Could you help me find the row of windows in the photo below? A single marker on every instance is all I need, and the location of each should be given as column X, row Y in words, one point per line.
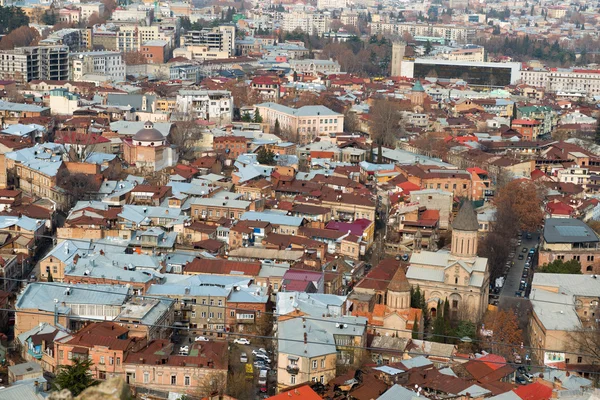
column 186, row 379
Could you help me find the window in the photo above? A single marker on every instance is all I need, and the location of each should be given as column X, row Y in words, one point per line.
column 567, row 360
column 61, row 354
column 186, row 380
column 313, row 379
column 323, row 363
column 118, row 360
column 220, row 315
column 70, row 355
column 579, row 360
column 193, row 314
column 111, row 360
column 211, row 314
column 173, row 379
column 322, row 379
column 101, row 360
column 293, row 379
column 454, row 303
column 232, row 313
column 590, row 258
column 314, row 364
column 220, row 302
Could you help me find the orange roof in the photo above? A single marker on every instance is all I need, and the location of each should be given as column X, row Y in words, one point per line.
column 301, row 393
column 433, row 215
column 534, row 391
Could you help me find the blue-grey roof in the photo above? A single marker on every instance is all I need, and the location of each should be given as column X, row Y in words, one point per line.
column 23, row 222
column 20, row 107
column 273, row 217
column 320, row 333
column 568, row 230
column 19, row 392
column 99, row 158
column 143, row 214
column 306, row 111
column 41, row 296
column 99, row 266
column 217, row 202
column 398, row 392
column 130, row 128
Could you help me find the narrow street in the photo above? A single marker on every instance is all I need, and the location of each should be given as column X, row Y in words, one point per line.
column 515, row 273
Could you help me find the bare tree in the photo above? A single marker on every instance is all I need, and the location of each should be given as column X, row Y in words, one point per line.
column 213, row 384
column 135, row 58
column 185, row 136
column 20, row 37
column 351, row 122
column 77, row 186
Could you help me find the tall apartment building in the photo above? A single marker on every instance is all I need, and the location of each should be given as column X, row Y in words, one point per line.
column 220, row 38
column 25, row 64
column 398, row 50
column 211, row 105
column 311, row 23
column 576, row 81
column 449, row 32
column 131, row 37
column 108, row 63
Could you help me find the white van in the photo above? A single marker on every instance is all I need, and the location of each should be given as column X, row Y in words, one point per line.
column 262, row 377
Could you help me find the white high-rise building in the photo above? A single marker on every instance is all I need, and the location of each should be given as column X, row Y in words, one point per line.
column 311, row 23
column 212, row 105
column 109, row 63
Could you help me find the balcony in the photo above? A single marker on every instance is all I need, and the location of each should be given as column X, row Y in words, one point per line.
column 292, row 369
column 186, row 306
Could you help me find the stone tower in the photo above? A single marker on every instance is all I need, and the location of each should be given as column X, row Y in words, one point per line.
column 417, row 94
column 398, row 49
column 464, row 232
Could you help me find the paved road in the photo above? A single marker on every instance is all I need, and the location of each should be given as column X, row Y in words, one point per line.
column 513, row 279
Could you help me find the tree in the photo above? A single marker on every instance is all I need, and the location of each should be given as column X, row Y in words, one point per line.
column 185, row 136
column 12, row 18
column 428, row 47
column 351, row 122
column 506, row 337
column 213, row 384
column 521, row 199
column 385, row 117
column 415, row 329
column 134, row 58
column 76, row 377
column 295, row 76
column 277, row 128
column 50, row 278
column 77, row 186
column 246, row 117
column 266, row 157
column 238, row 386
column 257, row 117
column 20, row 37
column 562, row 267
column 439, row 324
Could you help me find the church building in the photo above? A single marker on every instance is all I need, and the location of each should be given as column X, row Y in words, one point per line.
column 459, row 276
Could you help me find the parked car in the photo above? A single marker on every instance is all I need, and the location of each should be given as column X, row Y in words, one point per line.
column 521, row 380
column 528, row 236
column 261, row 356
column 532, row 250
column 259, row 351
column 261, row 365
column 201, row 339
column 520, row 256
column 241, row 341
column 525, row 249
column 243, row 358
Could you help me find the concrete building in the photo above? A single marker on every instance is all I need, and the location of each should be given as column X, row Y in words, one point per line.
column 449, row 32
column 459, row 276
column 89, row 9
column 306, row 122
column 570, row 239
column 220, row 38
column 73, row 38
column 565, row 81
column 315, row 66
column 211, row 105
column 311, row 23
column 563, row 306
column 331, row 4
column 25, row 64
column 108, row 63
column 398, row 50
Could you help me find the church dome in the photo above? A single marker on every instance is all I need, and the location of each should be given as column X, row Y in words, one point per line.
column 466, row 219
column 148, row 134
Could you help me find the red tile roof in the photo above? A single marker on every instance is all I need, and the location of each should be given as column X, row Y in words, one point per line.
column 300, row 393
column 534, row 391
column 221, row 267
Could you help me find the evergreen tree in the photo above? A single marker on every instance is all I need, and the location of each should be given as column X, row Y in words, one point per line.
column 295, row 76
column 277, row 128
column 246, row 117
column 425, row 312
column 438, row 324
column 415, row 329
column 379, row 154
column 266, row 157
column 257, row 117
column 428, row 47
column 50, row 278
column 76, row 378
